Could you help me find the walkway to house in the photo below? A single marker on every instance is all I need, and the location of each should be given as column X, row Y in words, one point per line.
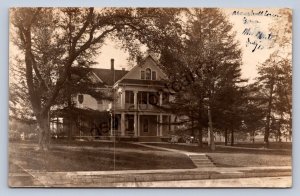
column 200, row 160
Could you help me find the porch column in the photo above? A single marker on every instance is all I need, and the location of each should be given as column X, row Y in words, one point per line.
column 122, row 99
column 160, row 98
column 160, row 126
column 138, row 125
column 122, row 124
column 111, row 125
column 172, row 119
column 135, row 99
column 135, row 124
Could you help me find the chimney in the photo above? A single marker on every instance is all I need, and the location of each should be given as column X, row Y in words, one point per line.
column 112, row 64
column 138, row 59
column 123, row 69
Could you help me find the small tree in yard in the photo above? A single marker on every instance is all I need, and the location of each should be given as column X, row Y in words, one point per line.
column 53, row 41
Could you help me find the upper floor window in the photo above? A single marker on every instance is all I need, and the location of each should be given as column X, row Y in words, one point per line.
column 143, row 75
column 153, row 75
column 165, row 98
column 148, row 74
column 142, row 97
column 129, row 97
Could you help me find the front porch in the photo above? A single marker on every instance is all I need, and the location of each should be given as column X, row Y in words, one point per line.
column 144, row 126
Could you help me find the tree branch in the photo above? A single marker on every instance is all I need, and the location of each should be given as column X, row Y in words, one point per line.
column 84, row 27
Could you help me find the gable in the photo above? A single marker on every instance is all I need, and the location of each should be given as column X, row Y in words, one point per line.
column 108, row 76
column 79, row 74
column 148, row 63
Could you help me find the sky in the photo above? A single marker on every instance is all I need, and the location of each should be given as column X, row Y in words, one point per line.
column 241, row 21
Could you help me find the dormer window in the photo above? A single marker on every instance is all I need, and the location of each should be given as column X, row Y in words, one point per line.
column 153, row 75
column 143, row 75
column 148, row 74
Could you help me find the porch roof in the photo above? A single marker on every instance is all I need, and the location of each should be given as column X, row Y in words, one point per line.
column 71, row 112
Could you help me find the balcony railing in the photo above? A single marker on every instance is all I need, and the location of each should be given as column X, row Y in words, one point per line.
column 130, row 106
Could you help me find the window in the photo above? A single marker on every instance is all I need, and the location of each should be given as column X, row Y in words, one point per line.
column 144, row 98
column 153, row 98
column 165, row 98
column 80, row 98
column 145, row 125
column 129, row 97
column 153, row 75
column 143, row 75
column 129, row 123
column 148, row 74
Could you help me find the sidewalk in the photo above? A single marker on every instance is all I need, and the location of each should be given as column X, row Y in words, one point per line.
column 141, row 177
column 266, row 182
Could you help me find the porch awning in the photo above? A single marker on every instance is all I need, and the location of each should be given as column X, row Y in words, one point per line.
column 73, row 112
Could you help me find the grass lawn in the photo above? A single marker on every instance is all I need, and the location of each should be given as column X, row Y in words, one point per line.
column 272, row 145
column 223, row 149
column 229, row 157
column 100, row 156
column 249, row 159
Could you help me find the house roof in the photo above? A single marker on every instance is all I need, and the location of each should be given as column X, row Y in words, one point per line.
column 112, row 76
column 108, row 76
column 124, row 80
column 142, row 82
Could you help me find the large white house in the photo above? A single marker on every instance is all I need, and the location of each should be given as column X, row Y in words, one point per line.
column 136, row 112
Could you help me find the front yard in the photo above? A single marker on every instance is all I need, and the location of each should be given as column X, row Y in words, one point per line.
column 249, row 159
column 94, row 156
column 108, row 156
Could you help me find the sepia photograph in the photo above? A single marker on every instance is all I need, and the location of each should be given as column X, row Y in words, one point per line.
column 143, row 97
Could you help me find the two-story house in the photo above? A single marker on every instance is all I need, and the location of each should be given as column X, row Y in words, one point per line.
column 136, row 112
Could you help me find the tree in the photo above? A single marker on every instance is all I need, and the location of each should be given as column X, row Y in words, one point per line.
column 53, row 41
column 254, row 112
column 275, row 77
column 203, row 66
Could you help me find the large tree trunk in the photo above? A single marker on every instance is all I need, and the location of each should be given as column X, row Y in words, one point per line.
column 44, row 131
column 268, row 120
column 200, row 137
column 232, row 137
column 193, row 133
column 226, row 137
column 279, row 134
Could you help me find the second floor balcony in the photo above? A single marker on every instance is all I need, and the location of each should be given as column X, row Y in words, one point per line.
column 141, row 100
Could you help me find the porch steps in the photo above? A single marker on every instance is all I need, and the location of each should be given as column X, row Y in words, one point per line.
column 202, row 160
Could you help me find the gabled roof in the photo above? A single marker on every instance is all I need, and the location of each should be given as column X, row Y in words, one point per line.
column 142, row 82
column 108, row 76
column 124, row 80
column 85, row 74
column 104, row 76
